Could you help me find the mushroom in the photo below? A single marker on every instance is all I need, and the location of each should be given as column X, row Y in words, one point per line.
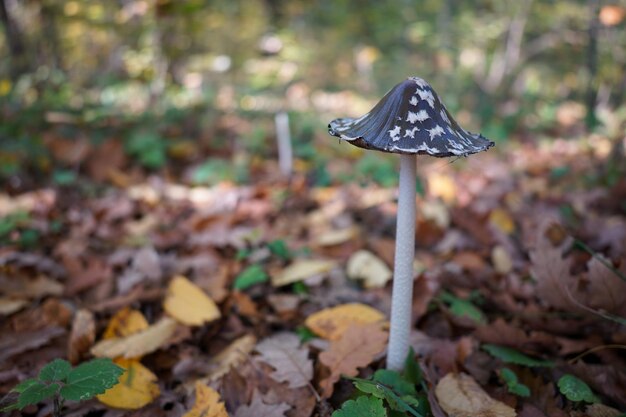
column 410, row 120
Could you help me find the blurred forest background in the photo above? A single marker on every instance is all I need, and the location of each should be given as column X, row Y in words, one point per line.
column 200, row 81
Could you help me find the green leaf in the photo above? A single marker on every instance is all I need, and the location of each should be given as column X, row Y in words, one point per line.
column 57, row 370
column 304, row 333
column 252, row 275
column 513, row 384
column 22, row 386
column 510, row 355
column 36, row 393
column 361, row 407
column 576, row 389
column 463, row 308
column 279, row 248
column 412, row 372
column 395, row 381
column 382, row 391
column 91, row 378
column 64, row 177
column 300, row 288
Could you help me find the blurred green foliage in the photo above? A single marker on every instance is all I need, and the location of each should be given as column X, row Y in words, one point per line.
column 154, row 73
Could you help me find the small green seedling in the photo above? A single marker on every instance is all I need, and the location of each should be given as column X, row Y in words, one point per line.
column 389, row 393
column 513, row 384
column 59, row 381
column 463, row 308
column 510, row 355
column 252, row 275
column 576, row 390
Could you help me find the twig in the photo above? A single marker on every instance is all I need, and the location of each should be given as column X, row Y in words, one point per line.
column 595, row 349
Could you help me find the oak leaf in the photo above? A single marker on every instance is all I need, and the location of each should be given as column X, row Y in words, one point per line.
column 356, row 348
column 207, row 403
column 258, row 408
column 137, row 344
column 137, row 387
column 459, row 395
column 331, row 323
column 188, row 304
column 290, row 361
column 606, row 289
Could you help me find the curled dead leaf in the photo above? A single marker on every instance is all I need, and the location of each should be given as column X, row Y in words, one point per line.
column 137, row 387
column 459, row 395
column 301, row 270
column 188, row 304
column 207, row 403
column 366, row 266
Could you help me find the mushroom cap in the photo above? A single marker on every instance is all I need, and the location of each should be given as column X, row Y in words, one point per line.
column 410, row 119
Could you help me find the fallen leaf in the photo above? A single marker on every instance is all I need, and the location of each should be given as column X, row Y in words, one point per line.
column 124, row 323
column 335, row 237
column 502, row 220
column 552, row 273
column 137, row 344
column 188, row 304
column 331, row 323
column 230, row 357
column 366, row 266
column 9, row 306
column 257, row 408
column 137, row 387
column 82, row 336
column 356, row 348
column 605, row 290
column 443, row 186
column 15, row 343
column 290, row 361
column 460, row 396
column 38, row 287
column 207, row 403
column 301, row 270
column 501, row 260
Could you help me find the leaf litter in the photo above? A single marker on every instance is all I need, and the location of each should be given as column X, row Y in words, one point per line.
column 146, row 273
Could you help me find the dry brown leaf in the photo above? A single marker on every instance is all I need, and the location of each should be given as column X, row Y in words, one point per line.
column 331, row 323
column 9, row 305
column 356, row 348
column 605, row 290
column 188, row 304
column 231, row 356
column 501, row 260
column 207, row 403
column 137, row 344
column 301, row 270
column 552, row 273
column 460, row 396
column 337, row 236
column 38, row 287
column 82, row 336
column 258, row 408
column 502, row 220
column 290, row 361
column 364, row 265
column 137, row 387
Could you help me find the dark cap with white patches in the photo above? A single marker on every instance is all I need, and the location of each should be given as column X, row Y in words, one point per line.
column 410, row 119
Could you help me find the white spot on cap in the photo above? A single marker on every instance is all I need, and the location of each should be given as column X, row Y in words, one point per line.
column 427, row 95
column 395, row 133
column 420, row 116
column 420, row 82
column 413, row 101
column 435, row 131
column 411, row 132
column 444, row 115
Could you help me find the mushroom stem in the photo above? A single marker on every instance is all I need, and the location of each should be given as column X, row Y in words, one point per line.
column 402, row 293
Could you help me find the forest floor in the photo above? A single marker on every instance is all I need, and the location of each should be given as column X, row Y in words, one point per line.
column 520, row 282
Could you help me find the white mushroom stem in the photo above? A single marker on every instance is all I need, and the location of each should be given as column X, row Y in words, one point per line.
column 402, row 294
column 283, row 138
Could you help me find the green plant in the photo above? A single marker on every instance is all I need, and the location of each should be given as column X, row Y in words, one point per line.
column 252, row 275
column 389, row 393
column 463, row 308
column 576, row 390
column 59, row 381
column 510, row 355
column 513, row 384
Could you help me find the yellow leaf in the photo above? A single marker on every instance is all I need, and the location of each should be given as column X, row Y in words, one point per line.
column 460, row 396
column 337, row 236
column 207, row 403
column 136, row 344
column 502, row 220
column 137, row 387
column 188, row 304
column 302, row 269
column 368, row 267
column 124, row 323
column 331, row 323
column 443, row 186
